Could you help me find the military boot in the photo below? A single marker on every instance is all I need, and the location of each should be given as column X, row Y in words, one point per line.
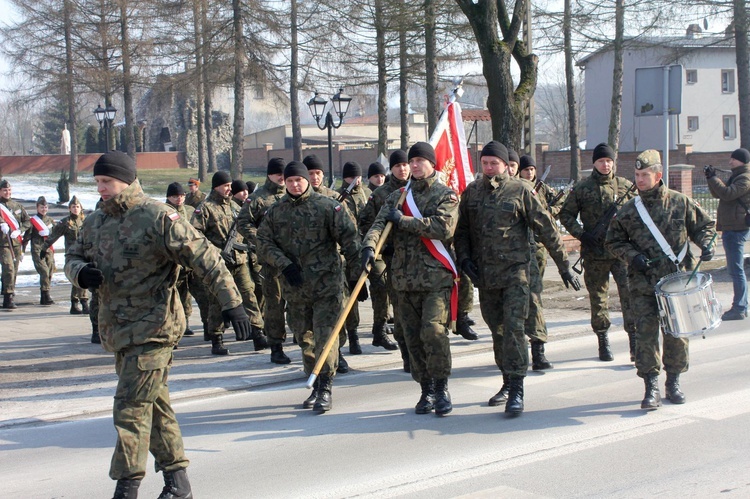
column 75, row 308
column 126, row 489
column 260, row 342
column 95, row 338
column 631, row 343
column 539, row 361
column 85, row 306
column 176, row 485
column 443, row 404
column 206, row 334
column 605, row 353
column 45, row 298
column 380, row 337
column 426, row 402
column 217, row 345
column 343, row 366
column 514, row 405
column 354, row 346
column 277, row 354
column 8, row 301
column 188, row 331
column 502, row 395
column 324, row 402
column 672, row 390
column 310, row 401
column 404, row 356
column 464, row 329
column 652, row 398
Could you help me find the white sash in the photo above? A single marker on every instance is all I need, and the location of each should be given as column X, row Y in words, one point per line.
column 665, row 247
column 40, row 226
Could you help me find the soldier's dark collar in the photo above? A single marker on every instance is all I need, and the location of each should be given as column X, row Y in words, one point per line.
column 274, row 187
column 656, row 192
column 121, row 203
column 601, row 178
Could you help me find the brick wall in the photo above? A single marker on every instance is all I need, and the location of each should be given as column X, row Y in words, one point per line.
column 55, row 163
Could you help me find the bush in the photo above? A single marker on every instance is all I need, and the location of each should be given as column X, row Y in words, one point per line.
column 63, row 188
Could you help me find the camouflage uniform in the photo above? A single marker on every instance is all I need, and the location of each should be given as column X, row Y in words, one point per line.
column 194, row 199
column 355, row 202
column 139, row 244
column 496, row 217
column 249, row 219
column 679, row 219
column 214, row 218
column 45, row 266
column 9, row 264
column 182, row 280
column 68, row 228
column 305, row 231
column 591, row 198
column 422, row 284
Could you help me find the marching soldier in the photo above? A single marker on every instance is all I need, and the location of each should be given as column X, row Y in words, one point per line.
column 131, row 250
column 15, row 221
column 215, row 218
column 631, row 238
column 379, row 275
column 315, row 169
column 426, row 286
column 239, row 192
column 176, row 199
column 195, row 197
column 513, row 163
column 44, row 260
column 68, row 228
column 375, row 175
column 496, row 215
column 298, row 238
column 590, row 200
column 248, row 221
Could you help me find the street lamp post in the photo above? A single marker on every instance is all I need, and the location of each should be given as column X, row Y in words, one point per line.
column 340, row 105
column 105, row 117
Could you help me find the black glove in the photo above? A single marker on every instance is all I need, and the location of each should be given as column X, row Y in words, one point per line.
column 43, row 253
column 388, row 250
column 363, row 295
column 709, row 171
column 394, row 215
column 640, row 263
column 90, row 277
column 588, row 240
column 470, row 270
column 228, row 259
column 368, row 258
column 239, row 320
column 570, row 280
column 707, row 254
column 293, row 275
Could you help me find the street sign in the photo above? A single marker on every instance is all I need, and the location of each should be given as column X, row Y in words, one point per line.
column 649, row 90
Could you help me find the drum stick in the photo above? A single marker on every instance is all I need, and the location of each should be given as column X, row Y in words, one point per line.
column 700, row 261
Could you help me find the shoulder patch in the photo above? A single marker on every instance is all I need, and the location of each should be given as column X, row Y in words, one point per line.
column 337, row 208
column 174, row 216
column 453, row 197
column 197, row 210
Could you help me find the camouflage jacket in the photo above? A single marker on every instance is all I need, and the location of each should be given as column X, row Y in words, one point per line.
column 546, row 195
column 326, row 191
column 305, row 231
column 67, row 228
column 675, row 215
column 139, row 245
column 255, row 207
column 496, row 218
column 413, row 268
column 38, row 241
column 591, row 198
column 356, row 200
column 195, row 198
column 24, row 222
column 731, row 214
column 376, row 201
column 214, row 218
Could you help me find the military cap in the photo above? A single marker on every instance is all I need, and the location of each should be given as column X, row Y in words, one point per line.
column 351, row 169
column 603, row 151
column 275, row 166
column 116, row 164
column 297, row 169
column 194, row 181
column 397, row 157
column 742, row 155
column 220, row 178
column 423, row 150
column 41, row 201
column 526, row 161
column 312, row 162
column 648, row 158
column 513, row 155
column 74, row 201
column 496, row 149
column 238, row 186
column 175, row 189
column 4, row 184
column 375, row 169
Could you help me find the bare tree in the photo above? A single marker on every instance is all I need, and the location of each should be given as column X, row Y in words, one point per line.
column 575, row 153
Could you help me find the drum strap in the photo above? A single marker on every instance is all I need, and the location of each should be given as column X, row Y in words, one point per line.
column 665, row 247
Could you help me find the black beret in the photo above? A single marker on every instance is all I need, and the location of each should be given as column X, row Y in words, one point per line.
column 297, row 169
column 275, row 166
column 375, row 169
column 526, row 161
column 238, row 186
column 117, row 165
column 397, row 157
column 312, row 162
column 423, row 150
column 742, row 155
column 513, row 155
column 603, row 151
column 175, row 189
column 496, row 149
column 351, row 169
column 220, row 178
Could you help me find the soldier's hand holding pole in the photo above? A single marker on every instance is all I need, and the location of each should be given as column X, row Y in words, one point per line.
column 368, row 259
column 239, row 320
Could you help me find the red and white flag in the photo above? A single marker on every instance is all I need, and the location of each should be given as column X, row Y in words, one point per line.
column 449, row 141
column 9, row 219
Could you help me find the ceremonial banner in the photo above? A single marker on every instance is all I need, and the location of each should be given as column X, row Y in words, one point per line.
column 449, row 141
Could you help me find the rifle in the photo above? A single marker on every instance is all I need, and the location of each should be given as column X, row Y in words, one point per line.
column 540, row 181
column 232, row 244
column 557, row 197
column 600, row 229
column 348, row 190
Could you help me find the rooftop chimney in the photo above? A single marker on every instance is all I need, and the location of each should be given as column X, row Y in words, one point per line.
column 693, row 31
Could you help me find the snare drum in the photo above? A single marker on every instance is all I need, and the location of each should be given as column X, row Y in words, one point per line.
column 687, row 309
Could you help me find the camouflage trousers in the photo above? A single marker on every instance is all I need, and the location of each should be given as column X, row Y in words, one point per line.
column 398, row 330
column 10, row 267
column 535, row 326
column 77, row 294
column 185, row 298
column 94, row 309
column 504, row 310
column 312, row 323
column 273, row 311
column 45, row 267
column 424, row 316
column 647, row 361
column 378, row 292
column 352, row 320
column 256, row 272
column 241, row 274
column 465, row 295
column 596, row 277
column 143, row 415
column 202, row 298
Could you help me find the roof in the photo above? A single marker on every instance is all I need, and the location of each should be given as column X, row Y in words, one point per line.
column 476, row 115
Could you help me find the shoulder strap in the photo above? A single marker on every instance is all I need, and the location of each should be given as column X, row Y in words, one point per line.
column 665, row 247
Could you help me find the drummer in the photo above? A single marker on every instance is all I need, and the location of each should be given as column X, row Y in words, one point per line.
column 631, row 240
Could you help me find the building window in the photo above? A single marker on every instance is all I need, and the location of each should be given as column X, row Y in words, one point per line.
column 258, row 89
column 692, row 123
column 691, row 76
column 729, row 126
column 727, row 81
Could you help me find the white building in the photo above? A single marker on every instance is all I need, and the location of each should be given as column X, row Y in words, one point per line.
column 710, row 110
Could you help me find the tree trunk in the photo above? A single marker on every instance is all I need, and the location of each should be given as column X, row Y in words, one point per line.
column 127, row 90
column 743, row 69
column 198, row 42
column 403, row 77
column 430, row 62
column 294, row 88
column 238, row 132
column 575, row 153
column 615, row 118
column 70, row 94
column 382, row 80
column 207, row 90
